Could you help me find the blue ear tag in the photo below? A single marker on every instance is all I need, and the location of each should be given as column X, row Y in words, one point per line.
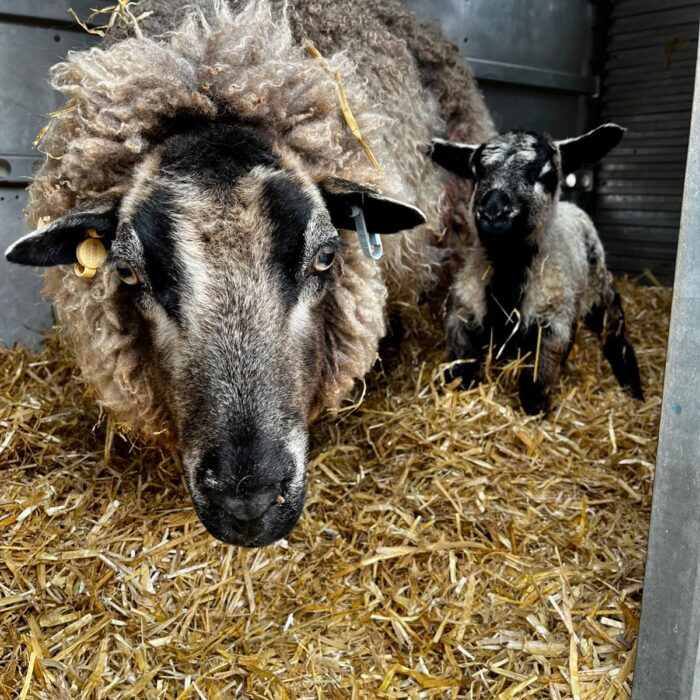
column 370, row 243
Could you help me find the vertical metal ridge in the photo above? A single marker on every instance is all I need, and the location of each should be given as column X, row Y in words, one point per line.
column 668, row 656
column 647, row 87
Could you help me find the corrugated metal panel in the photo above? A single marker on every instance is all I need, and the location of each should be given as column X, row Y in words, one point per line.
column 647, row 87
column 625, row 8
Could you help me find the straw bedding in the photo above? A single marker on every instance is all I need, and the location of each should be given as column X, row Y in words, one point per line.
column 450, row 547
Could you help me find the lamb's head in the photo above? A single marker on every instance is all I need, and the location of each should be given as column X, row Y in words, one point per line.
column 517, row 175
column 228, row 255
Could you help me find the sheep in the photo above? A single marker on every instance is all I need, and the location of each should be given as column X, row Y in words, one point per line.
column 204, row 148
column 537, row 266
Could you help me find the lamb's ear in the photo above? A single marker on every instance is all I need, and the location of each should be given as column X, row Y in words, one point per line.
column 453, row 156
column 589, row 148
column 55, row 243
column 382, row 214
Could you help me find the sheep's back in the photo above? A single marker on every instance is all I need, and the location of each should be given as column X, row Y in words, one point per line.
column 417, row 85
column 568, row 275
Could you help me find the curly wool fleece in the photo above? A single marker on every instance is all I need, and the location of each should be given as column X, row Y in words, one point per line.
column 403, row 81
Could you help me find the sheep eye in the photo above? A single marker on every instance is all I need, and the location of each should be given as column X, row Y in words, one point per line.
column 127, row 274
column 324, row 259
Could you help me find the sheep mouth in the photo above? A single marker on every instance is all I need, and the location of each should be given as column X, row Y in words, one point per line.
column 273, row 525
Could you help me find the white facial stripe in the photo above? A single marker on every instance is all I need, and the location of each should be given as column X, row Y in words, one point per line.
column 297, row 445
column 166, row 334
column 493, row 154
column 527, row 155
column 196, row 290
column 191, row 254
column 300, row 318
column 545, row 168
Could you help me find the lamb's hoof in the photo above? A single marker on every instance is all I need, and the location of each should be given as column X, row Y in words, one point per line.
column 533, row 398
column 463, row 372
column 636, row 392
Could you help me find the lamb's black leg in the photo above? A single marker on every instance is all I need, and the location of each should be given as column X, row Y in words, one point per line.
column 534, row 394
column 608, row 322
column 620, row 354
column 464, row 342
column 536, row 387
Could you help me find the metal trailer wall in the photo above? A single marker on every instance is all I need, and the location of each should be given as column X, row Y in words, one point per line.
column 34, row 34
column 647, row 87
column 536, row 61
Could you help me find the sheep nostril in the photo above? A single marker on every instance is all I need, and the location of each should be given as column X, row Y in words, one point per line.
column 253, row 505
column 492, row 216
column 495, row 207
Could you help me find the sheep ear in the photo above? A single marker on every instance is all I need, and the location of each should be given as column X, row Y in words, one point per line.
column 453, row 156
column 382, row 214
column 589, row 148
column 55, row 243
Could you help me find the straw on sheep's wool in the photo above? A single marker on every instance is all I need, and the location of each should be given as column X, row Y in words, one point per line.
column 450, row 547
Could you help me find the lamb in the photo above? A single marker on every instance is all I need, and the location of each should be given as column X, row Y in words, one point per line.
column 537, row 266
column 203, row 148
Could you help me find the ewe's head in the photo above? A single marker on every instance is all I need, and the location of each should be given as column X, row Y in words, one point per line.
column 229, row 256
column 517, row 174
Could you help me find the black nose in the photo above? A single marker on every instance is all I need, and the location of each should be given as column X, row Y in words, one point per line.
column 494, row 207
column 251, row 505
column 243, row 479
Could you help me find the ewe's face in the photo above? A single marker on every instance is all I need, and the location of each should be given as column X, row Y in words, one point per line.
column 229, row 262
column 516, row 183
column 228, row 256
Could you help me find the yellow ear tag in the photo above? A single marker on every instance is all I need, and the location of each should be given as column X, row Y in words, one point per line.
column 91, row 253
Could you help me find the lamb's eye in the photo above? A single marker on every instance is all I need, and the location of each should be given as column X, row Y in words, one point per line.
column 127, row 274
column 324, row 259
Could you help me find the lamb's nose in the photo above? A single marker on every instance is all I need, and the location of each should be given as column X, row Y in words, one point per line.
column 495, row 206
column 252, row 505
